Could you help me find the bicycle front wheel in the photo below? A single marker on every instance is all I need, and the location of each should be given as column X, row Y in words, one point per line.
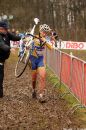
column 21, row 65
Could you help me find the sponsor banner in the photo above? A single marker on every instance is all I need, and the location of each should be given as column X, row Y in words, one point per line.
column 71, row 45
column 60, row 45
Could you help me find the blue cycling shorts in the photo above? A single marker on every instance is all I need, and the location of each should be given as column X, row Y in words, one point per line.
column 36, row 62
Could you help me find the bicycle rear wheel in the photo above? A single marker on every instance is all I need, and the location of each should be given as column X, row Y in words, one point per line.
column 21, row 65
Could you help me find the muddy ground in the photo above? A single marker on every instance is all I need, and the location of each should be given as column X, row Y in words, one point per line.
column 18, row 111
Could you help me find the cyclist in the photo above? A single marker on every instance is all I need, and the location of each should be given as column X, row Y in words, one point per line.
column 37, row 59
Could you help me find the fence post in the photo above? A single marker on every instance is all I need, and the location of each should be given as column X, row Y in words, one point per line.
column 71, row 54
column 60, row 67
column 83, row 78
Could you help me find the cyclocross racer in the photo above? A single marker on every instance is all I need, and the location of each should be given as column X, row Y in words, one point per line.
column 37, row 59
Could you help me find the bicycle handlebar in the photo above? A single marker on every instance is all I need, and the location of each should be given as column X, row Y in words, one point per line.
column 43, row 42
column 34, row 36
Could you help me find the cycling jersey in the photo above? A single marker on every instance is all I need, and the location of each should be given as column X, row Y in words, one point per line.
column 38, row 47
column 37, row 51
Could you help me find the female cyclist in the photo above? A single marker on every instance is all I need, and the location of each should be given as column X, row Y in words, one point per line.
column 37, row 59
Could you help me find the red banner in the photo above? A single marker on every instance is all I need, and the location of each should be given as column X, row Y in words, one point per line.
column 84, row 87
column 65, row 69
column 71, row 71
column 77, row 78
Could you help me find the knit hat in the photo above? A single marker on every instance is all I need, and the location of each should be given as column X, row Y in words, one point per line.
column 4, row 24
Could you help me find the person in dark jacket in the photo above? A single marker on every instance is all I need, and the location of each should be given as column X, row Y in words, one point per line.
column 5, row 37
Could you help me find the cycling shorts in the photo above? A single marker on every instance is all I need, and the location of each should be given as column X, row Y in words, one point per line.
column 36, row 62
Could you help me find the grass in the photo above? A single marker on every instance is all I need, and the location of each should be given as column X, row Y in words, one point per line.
column 79, row 114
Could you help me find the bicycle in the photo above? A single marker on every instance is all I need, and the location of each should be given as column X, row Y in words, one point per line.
column 23, row 59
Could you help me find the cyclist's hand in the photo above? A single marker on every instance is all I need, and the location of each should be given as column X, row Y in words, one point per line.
column 43, row 39
column 27, row 47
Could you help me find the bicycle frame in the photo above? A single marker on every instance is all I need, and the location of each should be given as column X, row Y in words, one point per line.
column 24, row 58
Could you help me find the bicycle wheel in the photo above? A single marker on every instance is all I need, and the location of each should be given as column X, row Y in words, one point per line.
column 21, row 65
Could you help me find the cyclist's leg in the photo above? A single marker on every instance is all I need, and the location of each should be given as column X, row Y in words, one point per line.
column 34, row 71
column 34, row 75
column 42, row 84
column 42, row 77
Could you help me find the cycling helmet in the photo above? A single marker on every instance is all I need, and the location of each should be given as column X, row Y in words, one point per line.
column 44, row 27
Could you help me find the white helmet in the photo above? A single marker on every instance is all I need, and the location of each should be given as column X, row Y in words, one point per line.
column 44, row 27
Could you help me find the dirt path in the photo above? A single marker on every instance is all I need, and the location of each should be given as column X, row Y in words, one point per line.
column 18, row 111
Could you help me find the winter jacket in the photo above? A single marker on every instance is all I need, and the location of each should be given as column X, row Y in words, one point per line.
column 5, row 45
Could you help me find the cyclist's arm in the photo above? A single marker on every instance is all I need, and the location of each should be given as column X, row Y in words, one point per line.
column 3, row 46
column 48, row 44
column 14, row 37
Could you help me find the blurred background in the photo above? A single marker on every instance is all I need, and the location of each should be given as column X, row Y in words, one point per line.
column 67, row 17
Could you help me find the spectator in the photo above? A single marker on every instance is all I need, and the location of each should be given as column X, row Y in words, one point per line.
column 5, row 37
column 55, row 38
column 13, row 31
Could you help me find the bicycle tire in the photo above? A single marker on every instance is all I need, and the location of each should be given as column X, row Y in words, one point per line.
column 21, row 66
